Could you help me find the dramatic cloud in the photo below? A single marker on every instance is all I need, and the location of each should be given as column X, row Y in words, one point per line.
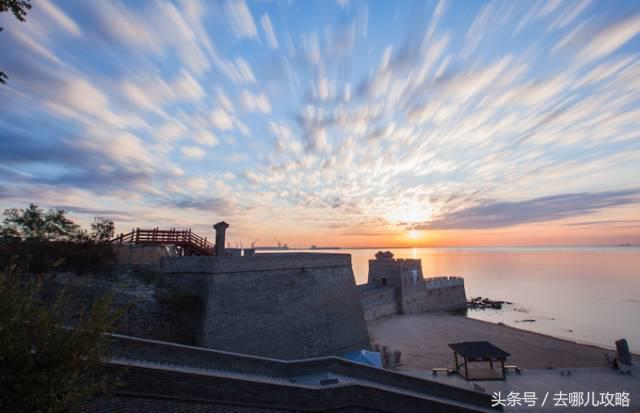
column 310, row 119
column 551, row 208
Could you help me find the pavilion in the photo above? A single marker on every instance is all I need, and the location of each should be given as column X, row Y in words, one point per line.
column 479, row 351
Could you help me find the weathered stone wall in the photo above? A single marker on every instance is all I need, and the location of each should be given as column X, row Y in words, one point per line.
column 158, row 390
column 446, row 298
column 378, row 302
column 133, row 254
column 384, row 272
column 153, row 307
column 257, row 262
column 410, row 291
column 286, row 306
column 414, row 301
column 135, row 353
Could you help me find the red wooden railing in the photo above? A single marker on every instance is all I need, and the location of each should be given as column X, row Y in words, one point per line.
column 190, row 242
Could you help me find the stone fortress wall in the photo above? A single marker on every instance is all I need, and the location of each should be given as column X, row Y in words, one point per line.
column 378, row 302
column 281, row 305
column 397, row 286
column 132, row 254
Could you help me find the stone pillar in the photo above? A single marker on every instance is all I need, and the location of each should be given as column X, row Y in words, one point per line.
column 221, row 228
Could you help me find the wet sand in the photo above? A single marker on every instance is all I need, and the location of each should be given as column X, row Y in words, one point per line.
column 423, row 339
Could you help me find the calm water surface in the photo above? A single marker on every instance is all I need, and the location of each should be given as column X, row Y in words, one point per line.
column 589, row 295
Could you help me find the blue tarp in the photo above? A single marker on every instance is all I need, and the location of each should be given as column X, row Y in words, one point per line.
column 366, row 357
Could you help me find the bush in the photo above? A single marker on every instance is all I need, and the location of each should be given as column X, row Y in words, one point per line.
column 45, row 367
column 43, row 256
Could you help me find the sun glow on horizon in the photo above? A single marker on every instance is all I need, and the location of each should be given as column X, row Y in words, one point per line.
column 411, row 213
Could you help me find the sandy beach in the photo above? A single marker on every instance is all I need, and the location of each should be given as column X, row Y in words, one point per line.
column 423, row 339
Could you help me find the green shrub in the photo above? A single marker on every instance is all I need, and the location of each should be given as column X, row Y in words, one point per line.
column 45, row 367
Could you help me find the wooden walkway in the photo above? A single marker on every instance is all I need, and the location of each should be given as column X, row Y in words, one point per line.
column 190, row 242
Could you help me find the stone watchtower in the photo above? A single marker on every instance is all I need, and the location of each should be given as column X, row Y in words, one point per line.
column 411, row 291
column 404, row 275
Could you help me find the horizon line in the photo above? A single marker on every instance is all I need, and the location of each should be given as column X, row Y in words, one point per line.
column 621, row 245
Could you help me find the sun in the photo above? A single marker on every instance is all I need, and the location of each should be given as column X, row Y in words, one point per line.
column 408, row 214
column 413, row 234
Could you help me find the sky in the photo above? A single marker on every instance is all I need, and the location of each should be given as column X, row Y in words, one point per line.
column 336, row 123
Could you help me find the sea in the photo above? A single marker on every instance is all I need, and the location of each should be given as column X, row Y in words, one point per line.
column 587, row 295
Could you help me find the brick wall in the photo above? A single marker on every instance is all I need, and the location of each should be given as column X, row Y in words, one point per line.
column 155, row 381
column 378, row 302
column 288, row 306
column 397, row 286
column 158, row 390
column 154, row 307
column 446, row 298
column 132, row 254
column 257, row 262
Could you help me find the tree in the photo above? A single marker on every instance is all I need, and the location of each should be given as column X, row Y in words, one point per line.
column 33, row 223
column 102, row 229
column 43, row 366
column 19, row 9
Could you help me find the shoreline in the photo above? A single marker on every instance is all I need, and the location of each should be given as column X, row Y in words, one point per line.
column 422, row 339
column 549, row 336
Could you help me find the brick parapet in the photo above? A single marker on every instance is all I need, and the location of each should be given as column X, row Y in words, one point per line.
column 159, row 390
column 188, row 356
column 257, row 262
column 444, row 282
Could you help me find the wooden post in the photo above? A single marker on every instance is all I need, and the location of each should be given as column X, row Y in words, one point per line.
column 137, row 234
column 455, row 359
column 503, row 375
column 466, row 369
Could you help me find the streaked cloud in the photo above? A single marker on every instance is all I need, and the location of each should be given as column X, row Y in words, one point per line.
column 220, row 119
column 240, row 19
column 552, row 208
column 269, row 34
column 307, row 118
column 255, row 102
column 60, row 17
column 193, row 152
column 611, row 38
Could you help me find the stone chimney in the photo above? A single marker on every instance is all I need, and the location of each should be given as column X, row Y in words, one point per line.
column 221, row 228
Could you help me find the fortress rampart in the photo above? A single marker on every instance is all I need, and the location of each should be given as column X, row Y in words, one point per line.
column 281, row 305
column 397, row 286
column 443, row 282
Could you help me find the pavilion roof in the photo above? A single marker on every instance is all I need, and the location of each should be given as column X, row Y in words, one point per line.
column 478, row 349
